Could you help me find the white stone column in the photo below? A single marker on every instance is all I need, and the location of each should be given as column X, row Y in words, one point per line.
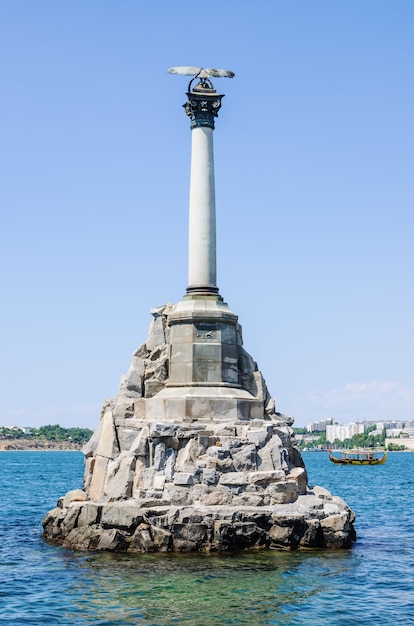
column 202, row 107
column 202, row 273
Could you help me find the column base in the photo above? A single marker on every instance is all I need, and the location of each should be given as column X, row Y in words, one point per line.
column 198, row 293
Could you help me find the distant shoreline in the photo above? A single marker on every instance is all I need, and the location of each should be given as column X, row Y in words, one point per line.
column 29, row 444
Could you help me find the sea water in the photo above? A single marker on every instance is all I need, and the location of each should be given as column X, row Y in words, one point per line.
column 372, row 583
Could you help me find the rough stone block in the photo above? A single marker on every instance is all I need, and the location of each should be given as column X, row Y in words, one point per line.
column 159, row 456
column 311, row 536
column 123, row 407
column 156, row 334
column 223, row 465
column 337, row 532
column 112, row 540
column 264, row 478
column 162, row 539
column 269, row 457
column 148, row 474
column 233, row 478
column 188, row 431
column 281, row 536
column 232, row 443
column 217, row 498
column 189, row 537
column 205, row 441
column 90, row 448
column 210, row 476
column 89, row 514
column 71, row 518
column 334, row 523
column 153, row 386
column 53, row 517
column 258, row 437
column 248, row 499
column 186, row 455
column 98, row 478
column 299, row 475
column 162, row 429
column 321, row 493
column 126, row 437
column 218, row 452
column 226, row 430
column 183, row 478
column 124, row 515
column 139, row 446
column 76, row 495
column 87, row 474
column 159, row 482
column 283, row 492
column 344, row 507
column 137, row 481
column 120, row 477
column 330, row 508
column 244, row 460
column 131, row 384
column 170, row 459
column 265, row 460
column 84, row 538
column 180, row 497
column 108, row 441
column 142, row 540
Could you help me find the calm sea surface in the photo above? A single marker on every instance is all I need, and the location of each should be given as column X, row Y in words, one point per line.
column 371, row 584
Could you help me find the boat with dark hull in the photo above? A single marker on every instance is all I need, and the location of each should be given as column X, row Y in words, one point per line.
column 358, row 456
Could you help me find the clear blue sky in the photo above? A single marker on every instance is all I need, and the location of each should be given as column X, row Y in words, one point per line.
column 314, row 153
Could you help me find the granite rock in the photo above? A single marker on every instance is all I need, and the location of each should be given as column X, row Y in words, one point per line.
column 195, row 468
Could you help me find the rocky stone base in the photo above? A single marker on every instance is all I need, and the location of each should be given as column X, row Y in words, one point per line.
column 314, row 520
column 203, row 465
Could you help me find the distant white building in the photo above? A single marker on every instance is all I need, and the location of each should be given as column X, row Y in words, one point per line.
column 343, row 431
column 319, row 426
column 393, row 432
column 407, row 442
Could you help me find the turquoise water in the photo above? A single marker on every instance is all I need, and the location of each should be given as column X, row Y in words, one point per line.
column 371, row 584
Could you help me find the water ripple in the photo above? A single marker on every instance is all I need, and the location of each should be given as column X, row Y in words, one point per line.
column 44, row 584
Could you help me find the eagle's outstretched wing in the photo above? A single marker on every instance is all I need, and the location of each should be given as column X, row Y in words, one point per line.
column 217, row 73
column 200, row 72
column 185, row 70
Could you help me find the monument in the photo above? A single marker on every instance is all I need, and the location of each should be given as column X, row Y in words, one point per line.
column 191, row 454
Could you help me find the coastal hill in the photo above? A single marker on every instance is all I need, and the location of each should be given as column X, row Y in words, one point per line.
column 51, row 437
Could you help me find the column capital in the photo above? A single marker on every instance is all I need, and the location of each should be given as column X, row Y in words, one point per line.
column 203, row 105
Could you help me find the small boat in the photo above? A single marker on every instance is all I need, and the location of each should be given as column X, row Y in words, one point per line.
column 358, row 456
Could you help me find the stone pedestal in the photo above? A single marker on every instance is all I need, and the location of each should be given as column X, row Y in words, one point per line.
column 203, row 345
